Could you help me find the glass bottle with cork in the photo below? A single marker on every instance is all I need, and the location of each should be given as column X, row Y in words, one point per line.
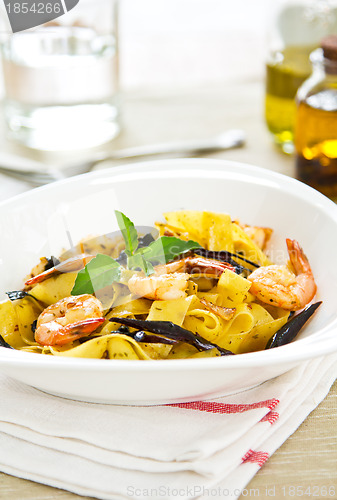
column 316, row 122
column 296, row 28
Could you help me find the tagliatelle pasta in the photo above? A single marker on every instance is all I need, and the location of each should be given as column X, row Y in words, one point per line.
column 205, row 287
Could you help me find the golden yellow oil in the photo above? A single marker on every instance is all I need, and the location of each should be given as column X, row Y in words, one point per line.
column 286, row 71
column 316, row 142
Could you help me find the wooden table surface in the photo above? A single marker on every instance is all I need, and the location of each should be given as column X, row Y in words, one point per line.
column 308, row 459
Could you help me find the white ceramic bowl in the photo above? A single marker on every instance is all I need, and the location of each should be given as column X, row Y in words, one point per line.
column 38, row 222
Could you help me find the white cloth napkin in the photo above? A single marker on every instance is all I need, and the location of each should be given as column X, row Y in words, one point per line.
column 190, row 450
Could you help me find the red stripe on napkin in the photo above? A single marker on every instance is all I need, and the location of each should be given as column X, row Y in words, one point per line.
column 270, row 417
column 214, row 407
column 256, row 457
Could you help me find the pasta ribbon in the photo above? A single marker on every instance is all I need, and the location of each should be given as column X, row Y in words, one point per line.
column 232, row 289
column 190, row 221
column 114, row 346
column 214, row 298
column 9, row 325
column 131, row 308
column 205, row 323
column 170, row 310
column 242, row 243
column 219, row 231
column 237, row 328
column 27, row 311
column 257, row 338
column 248, row 335
column 211, row 230
column 182, row 351
column 54, row 288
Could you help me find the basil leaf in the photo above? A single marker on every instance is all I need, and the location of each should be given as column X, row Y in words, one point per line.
column 166, row 248
column 129, row 232
column 100, row 272
column 149, row 268
column 138, row 261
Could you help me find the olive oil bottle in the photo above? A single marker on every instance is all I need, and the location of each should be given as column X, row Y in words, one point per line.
column 316, row 122
column 286, row 71
column 295, row 29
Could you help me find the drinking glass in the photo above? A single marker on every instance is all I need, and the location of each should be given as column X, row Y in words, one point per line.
column 61, row 79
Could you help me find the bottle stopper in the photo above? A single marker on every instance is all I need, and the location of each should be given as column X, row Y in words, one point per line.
column 329, row 46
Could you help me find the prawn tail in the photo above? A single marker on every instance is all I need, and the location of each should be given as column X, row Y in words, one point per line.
column 68, row 266
column 298, row 259
column 83, row 327
column 53, row 334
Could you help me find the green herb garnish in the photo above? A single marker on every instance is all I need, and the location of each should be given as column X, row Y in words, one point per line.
column 100, row 272
column 103, row 270
column 128, row 231
column 166, row 248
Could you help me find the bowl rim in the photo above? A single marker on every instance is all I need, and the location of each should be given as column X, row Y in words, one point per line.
column 300, row 350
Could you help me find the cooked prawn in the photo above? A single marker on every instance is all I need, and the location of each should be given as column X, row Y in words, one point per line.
column 163, row 287
column 195, row 265
column 278, row 286
column 69, row 319
column 170, row 280
column 68, row 266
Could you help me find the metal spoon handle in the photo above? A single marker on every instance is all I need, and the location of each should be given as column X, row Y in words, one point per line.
column 38, row 173
column 227, row 140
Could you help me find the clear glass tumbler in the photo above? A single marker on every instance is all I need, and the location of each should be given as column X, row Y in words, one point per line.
column 61, row 79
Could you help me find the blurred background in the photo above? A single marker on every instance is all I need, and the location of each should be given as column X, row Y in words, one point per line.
column 188, row 70
column 190, row 43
